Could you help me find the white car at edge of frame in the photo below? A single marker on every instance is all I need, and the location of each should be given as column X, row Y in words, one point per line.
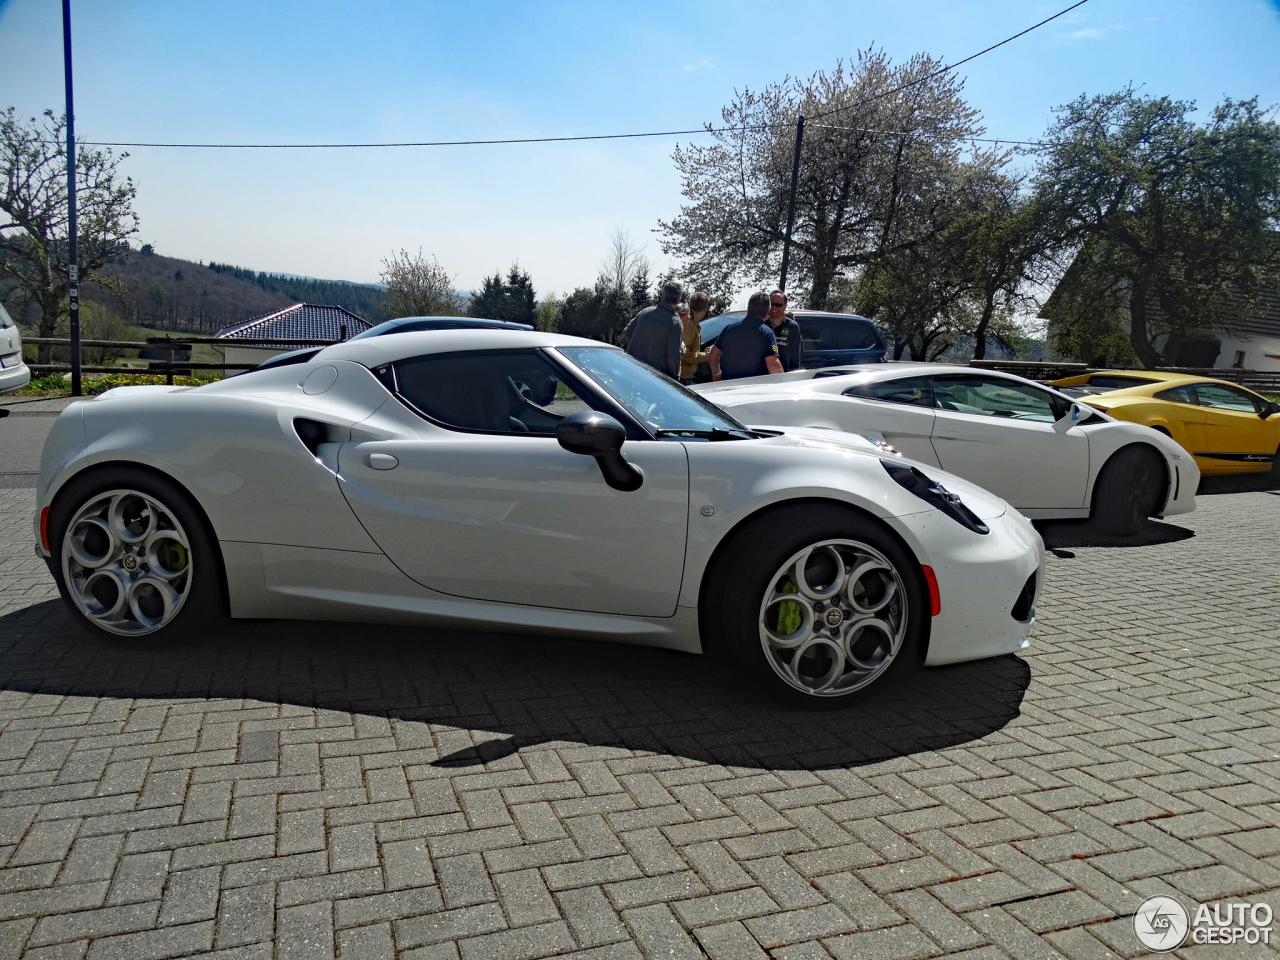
column 1047, row 455
column 526, row 481
column 14, row 373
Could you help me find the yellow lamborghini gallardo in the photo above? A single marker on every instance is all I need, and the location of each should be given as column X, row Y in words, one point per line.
column 1227, row 428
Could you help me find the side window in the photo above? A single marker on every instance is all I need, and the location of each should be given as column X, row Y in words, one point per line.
column 1226, row 398
column 1178, row 395
column 490, row 391
column 836, row 333
column 815, row 333
column 994, row 397
column 913, row 391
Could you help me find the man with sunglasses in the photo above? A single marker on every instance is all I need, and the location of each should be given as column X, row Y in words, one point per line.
column 786, row 331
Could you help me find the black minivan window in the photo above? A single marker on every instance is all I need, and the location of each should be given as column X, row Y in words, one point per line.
column 837, row 333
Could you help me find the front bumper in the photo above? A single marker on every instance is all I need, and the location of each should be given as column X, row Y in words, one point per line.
column 985, row 583
column 1182, row 489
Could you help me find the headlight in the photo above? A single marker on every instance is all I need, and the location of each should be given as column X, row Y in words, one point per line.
column 935, row 494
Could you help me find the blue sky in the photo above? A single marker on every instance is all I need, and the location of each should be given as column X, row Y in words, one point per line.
column 334, row 71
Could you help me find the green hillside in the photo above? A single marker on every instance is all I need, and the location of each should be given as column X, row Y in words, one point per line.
column 169, row 294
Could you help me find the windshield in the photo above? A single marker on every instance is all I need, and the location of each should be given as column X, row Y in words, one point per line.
column 658, row 403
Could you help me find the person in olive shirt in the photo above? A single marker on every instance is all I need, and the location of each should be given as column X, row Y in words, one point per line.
column 692, row 317
column 787, row 332
column 747, row 347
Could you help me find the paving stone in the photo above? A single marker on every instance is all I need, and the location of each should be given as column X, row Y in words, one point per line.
column 591, row 917
column 280, row 792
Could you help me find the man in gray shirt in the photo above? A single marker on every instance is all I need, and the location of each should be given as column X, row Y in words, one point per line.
column 654, row 334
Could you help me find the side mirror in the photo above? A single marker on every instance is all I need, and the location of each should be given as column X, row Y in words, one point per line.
column 1075, row 413
column 1270, row 410
column 599, row 435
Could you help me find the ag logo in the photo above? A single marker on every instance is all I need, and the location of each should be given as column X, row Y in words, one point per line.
column 834, row 617
column 1161, row 923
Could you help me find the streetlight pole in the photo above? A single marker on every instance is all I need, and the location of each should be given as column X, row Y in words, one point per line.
column 73, row 268
column 791, row 202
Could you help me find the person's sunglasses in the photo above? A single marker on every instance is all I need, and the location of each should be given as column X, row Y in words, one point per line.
column 778, row 304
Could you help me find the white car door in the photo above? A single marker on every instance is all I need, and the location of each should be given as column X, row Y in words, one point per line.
column 493, row 508
column 1011, row 438
column 899, row 412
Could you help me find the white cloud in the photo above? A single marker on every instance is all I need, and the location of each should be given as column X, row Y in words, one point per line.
column 1092, row 33
column 706, row 63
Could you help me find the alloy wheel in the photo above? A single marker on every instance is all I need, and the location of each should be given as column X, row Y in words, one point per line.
column 833, row 618
column 127, row 563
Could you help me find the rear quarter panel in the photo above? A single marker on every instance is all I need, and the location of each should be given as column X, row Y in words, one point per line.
column 236, row 451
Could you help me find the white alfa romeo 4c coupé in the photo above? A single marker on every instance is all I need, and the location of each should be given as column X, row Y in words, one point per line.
column 525, row 481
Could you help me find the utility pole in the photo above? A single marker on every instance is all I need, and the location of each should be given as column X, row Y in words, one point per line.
column 791, row 203
column 73, row 268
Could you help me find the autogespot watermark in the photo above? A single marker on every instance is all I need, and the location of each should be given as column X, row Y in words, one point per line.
column 1163, row 923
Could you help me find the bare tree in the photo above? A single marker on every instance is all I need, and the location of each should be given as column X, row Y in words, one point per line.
column 878, row 176
column 33, row 201
column 624, row 261
column 418, row 286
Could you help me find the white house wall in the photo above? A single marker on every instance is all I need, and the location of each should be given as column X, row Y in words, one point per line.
column 1260, row 353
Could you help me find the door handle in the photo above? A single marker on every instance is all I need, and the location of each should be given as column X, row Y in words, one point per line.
column 383, row 461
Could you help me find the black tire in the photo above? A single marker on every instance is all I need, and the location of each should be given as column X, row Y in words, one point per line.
column 746, row 568
column 202, row 610
column 1129, row 490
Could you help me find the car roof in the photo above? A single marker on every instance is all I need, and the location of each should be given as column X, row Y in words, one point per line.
column 1159, row 381
column 375, row 351
column 837, row 379
column 801, row 313
column 448, row 323
column 1151, row 375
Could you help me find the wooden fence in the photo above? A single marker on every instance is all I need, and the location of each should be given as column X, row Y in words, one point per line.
column 1264, row 381
column 178, row 350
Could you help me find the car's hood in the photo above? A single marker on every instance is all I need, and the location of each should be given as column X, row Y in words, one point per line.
column 985, row 504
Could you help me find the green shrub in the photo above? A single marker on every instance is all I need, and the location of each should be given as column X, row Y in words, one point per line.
column 59, row 385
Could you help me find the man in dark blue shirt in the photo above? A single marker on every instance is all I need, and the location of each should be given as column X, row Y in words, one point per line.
column 747, row 347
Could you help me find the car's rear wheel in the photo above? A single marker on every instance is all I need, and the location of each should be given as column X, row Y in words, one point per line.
column 1128, row 491
column 817, row 603
column 133, row 558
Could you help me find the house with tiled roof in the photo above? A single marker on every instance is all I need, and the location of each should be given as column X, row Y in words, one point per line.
column 1245, row 335
column 284, row 328
column 1252, row 340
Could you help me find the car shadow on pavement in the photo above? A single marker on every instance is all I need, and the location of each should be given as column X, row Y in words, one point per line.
column 1081, row 533
column 1240, row 483
column 503, row 693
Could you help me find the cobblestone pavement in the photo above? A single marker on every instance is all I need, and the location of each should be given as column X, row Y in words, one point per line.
column 298, row 791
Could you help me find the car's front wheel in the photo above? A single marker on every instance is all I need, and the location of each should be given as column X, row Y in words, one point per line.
column 132, row 557
column 817, row 603
column 1128, row 491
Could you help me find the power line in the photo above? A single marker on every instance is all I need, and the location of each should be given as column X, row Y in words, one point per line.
column 429, row 143
column 950, row 66
column 598, row 136
column 910, row 133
